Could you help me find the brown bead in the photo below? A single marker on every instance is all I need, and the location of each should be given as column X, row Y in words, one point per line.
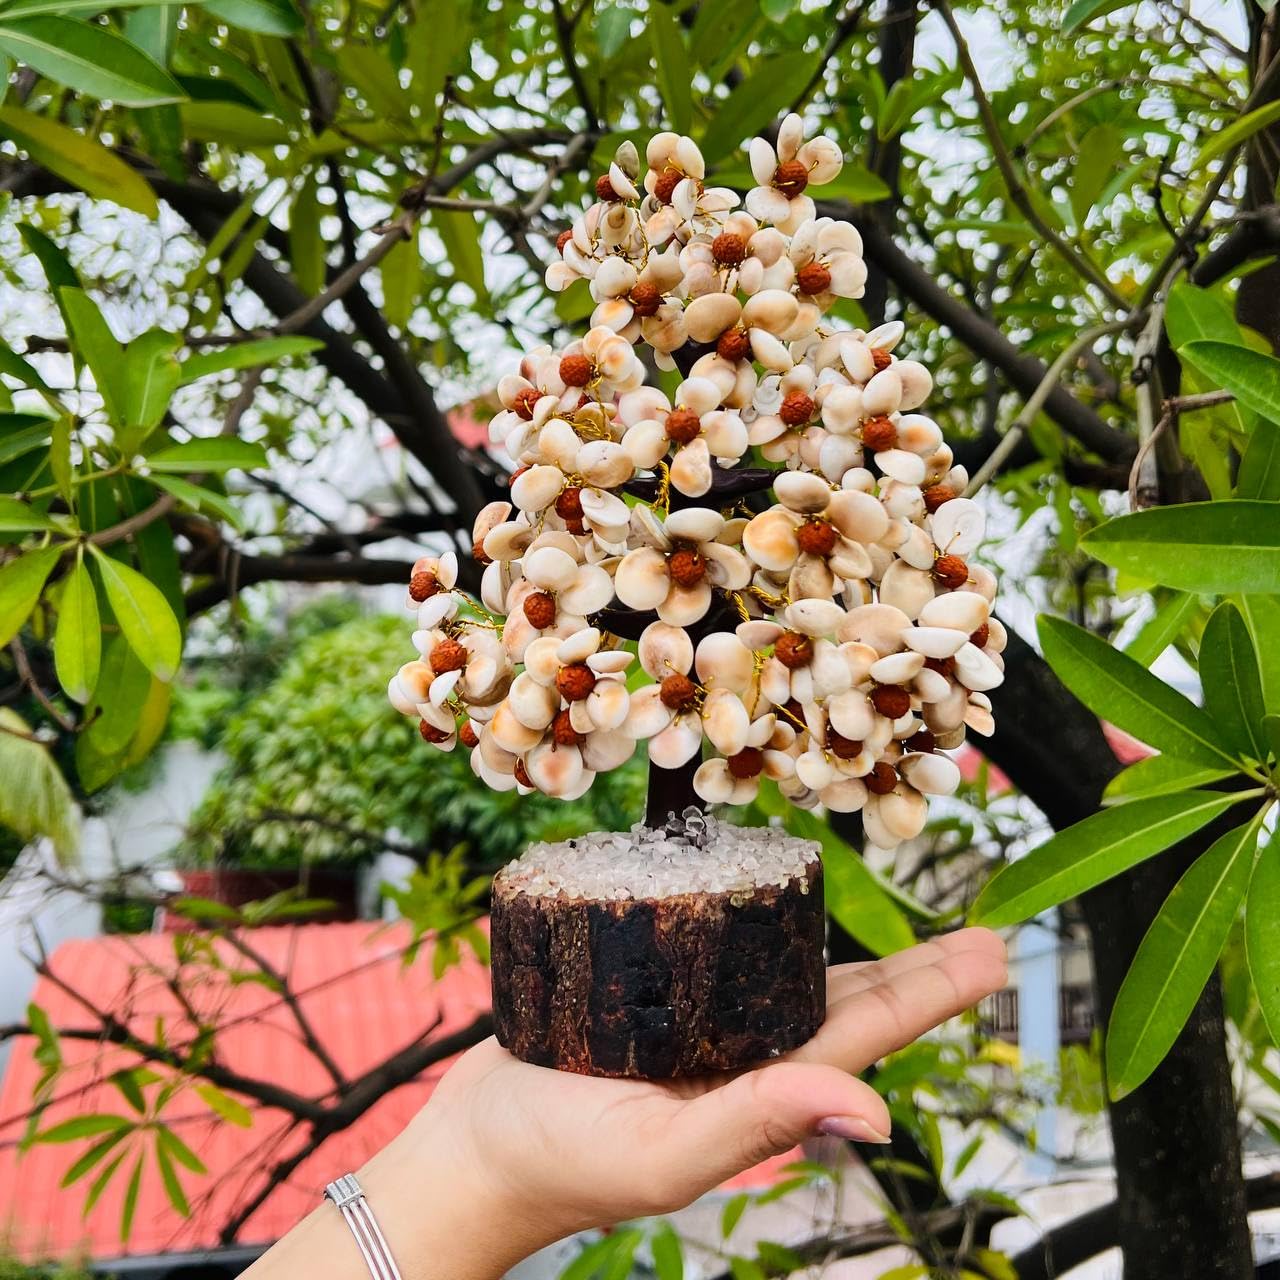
column 645, row 298
column 813, row 277
column 686, row 566
column 563, row 732
column 563, row 239
column 943, row 666
column 448, row 655
column 668, row 180
column 521, row 775
column 479, row 554
column 792, row 710
column 423, row 585
column 791, row 177
column 793, row 649
column 576, row 527
column 677, row 691
column 728, row 249
column 747, row 763
column 604, row 188
column 841, row 747
column 950, row 571
column 429, row 733
column 880, row 358
column 576, row 371
column 467, row 735
column 921, row 740
column 879, row 433
column 575, row 682
column 683, row 425
column 882, row 779
column 935, row 495
column 569, row 503
column 817, row 537
column 525, row 401
column 734, row 345
column 540, row 609
column 981, row 636
column 891, row 700
column 797, row 409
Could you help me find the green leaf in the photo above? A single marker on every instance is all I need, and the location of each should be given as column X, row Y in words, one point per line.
column 1160, row 776
column 144, row 616
column 1193, row 314
column 130, row 1089
column 246, row 355
column 732, row 1213
column 228, row 124
column 1262, row 938
column 460, row 232
column 130, row 1206
column 93, row 1156
column 82, row 161
column 169, row 1176
column 208, row 453
column 1083, row 11
column 1238, row 131
column 1176, row 958
column 1230, row 679
column 401, row 272
column 149, row 381
column 100, row 1183
column 668, row 1256
column 180, row 1151
column 1211, row 547
column 1165, row 626
column 22, row 433
column 77, row 641
column 16, row 367
column 672, row 59
column 225, row 1105
column 1251, row 376
column 1115, row 687
column 35, row 800
column 101, row 352
column 88, row 1126
column 90, row 59
column 21, row 582
column 1092, row 851
column 613, row 28
column 270, row 17
column 199, row 498
column 306, row 245
column 1262, row 616
column 761, row 96
column 1259, row 475
column 19, row 517
column 1101, row 151
column 60, row 460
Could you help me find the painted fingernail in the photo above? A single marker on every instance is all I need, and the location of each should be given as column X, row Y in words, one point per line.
column 852, row 1129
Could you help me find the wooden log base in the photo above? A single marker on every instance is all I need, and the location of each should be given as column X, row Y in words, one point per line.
column 662, row 986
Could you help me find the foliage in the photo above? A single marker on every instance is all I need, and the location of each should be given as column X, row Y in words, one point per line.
column 321, row 769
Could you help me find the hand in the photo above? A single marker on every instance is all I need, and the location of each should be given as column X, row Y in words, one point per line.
column 549, row 1153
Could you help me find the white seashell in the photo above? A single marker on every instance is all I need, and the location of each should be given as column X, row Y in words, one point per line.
column 509, row 733
column 931, row 686
column 604, row 510
column 945, row 714
column 713, row 782
column 877, row 625
column 699, row 395
column 814, row 770
column 691, row 469
column 921, row 435
column 553, row 769
column 842, row 409
column 442, row 686
column 976, row 670
column 917, row 549
column 604, row 463
column 906, row 588
column 414, row 679
column 886, row 336
column 435, row 609
column 980, row 719
column 838, row 455
column 883, row 393
column 725, row 721
column 609, row 662
column 815, row 617
column 759, row 633
column 683, row 606
column 770, row 351
column 590, row 591
column 963, row 611
column 983, row 581
column 958, row 526
column 727, row 567
column 579, row 646
column 858, row 658
column 763, row 730
column 607, row 704
column 770, row 540
column 400, row 699
column 896, row 668
column 606, row 749
column 852, row 715
column 533, row 704
column 857, row 515
column 558, row 445
column 550, row 568
column 641, row 580
column 997, row 638
column 665, row 649
column 614, row 277
column 695, row 524
column 536, row 489
column 508, row 540
column 903, row 812
column 676, row 745
column 723, row 661
column 802, row 492
column 934, row 642
column 647, row 714
column 775, row 682
column 774, row 310
column 931, row 773
column 707, row 317
column 845, row 795
column 829, row 670
column 917, row 382
column 898, row 464
column 811, row 578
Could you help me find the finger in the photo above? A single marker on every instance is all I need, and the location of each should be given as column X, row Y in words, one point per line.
column 845, row 979
column 864, row 1026
column 764, row 1113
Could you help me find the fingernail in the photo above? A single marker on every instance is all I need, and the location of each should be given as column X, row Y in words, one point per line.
column 852, row 1129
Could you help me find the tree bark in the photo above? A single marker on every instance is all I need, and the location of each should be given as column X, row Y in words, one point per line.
column 1181, row 1201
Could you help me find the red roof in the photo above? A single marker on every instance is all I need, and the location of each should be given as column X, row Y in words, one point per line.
column 970, row 758
column 353, row 987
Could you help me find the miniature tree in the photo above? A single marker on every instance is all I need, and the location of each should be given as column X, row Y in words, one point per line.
column 786, row 541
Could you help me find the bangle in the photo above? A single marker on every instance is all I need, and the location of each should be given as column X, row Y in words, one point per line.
column 348, row 1195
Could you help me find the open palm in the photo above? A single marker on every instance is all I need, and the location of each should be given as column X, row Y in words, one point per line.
column 593, row 1151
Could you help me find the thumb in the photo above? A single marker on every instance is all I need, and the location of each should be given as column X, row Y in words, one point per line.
column 765, row 1112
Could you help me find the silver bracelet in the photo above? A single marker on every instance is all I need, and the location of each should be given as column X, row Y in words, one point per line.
column 348, row 1195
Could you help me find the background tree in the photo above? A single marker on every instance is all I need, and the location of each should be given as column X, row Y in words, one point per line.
column 1076, row 217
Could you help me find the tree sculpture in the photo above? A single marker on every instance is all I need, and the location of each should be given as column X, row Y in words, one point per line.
column 836, row 641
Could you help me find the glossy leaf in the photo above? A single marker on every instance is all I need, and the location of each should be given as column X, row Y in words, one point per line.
column 1091, row 852
column 1083, row 11
column 86, row 1126
column 144, row 616
column 1251, row 376
column 668, row 1256
column 756, row 101
column 35, row 799
column 208, row 453
column 93, row 1156
column 22, row 370
column 149, row 381
column 1211, row 547
column 1160, row 776
column 401, row 273
column 88, row 58
column 77, row 641
column 198, row 498
column 18, row 517
column 1262, row 937
column 1122, row 691
column 1232, row 685
column 245, row 355
column 83, row 162
column 1193, row 314
column 1259, row 475
column 101, row 352
column 1176, row 957
column 1237, row 132
column 229, row 1108
column 1163, row 628
column 270, row 17
column 172, row 1183
column 130, row 1205
column 306, row 246
column 460, row 232
column 672, row 62
column 21, row 582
